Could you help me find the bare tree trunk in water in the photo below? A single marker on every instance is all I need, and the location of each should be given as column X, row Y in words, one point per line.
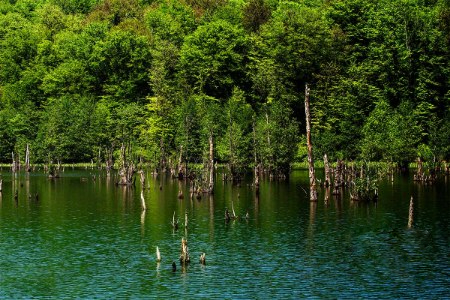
column 268, row 145
column 27, row 159
column 337, row 178
column 256, row 160
column 411, row 212
column 327, row 171
column 231, row 149
column 162, row 162
column 211, row 164
column 180, row 164
column 312, row 176
column 13, row 166
column 127, row 171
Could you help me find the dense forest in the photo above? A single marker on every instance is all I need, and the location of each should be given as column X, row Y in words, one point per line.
column 177, row 81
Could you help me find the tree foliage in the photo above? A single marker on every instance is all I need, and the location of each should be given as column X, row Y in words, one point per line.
column 164, row 76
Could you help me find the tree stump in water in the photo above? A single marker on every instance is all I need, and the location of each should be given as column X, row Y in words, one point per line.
column 184, row 255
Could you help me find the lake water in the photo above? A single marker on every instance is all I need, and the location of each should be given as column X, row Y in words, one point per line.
column 89, row 239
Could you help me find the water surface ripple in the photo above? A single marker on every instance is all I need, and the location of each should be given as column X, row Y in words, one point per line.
column 90, row 239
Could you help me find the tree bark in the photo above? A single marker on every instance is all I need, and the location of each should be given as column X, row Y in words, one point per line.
column 312, row 176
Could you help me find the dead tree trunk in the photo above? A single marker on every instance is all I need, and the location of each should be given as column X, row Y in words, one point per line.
column 312, row 176
column 142, row 178
column 327, row 171
column 411, row 212
column 257, row 167
column 231, row 149
column 184, row 253
column 257, row 178
column 337, row 178
column 211, row 164
column 108, row 162
column 269, row 147
column 163, row 162
column 127, row 170
column 420, row 175
column 180, row 164
column 14, row 163
column 144, row 207
column 27, row 160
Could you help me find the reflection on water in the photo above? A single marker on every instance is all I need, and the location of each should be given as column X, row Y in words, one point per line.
column 88, row 238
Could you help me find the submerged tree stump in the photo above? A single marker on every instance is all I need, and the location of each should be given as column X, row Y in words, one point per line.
column 184, row 253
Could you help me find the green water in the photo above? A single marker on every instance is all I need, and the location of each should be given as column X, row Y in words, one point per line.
column 86, row 238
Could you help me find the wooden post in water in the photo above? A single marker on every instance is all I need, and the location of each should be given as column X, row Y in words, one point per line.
column 411, row 212
column 312, row 177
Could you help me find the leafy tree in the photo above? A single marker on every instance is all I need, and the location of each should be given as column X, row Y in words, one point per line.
column 255, row 14
column 391, row 135
column 120, row 63
column 171, row 21
column 234, row 144
column 213, row 59
column 63, row 133
column 276, row 138
column 116, row 11
column 291, row 45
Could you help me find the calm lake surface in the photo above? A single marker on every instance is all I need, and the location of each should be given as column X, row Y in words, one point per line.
column 90, row 239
